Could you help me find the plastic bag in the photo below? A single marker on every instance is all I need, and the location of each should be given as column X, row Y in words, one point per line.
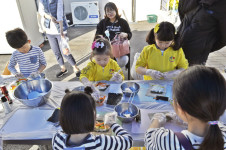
column 110, row 118
column 134, row 74
column 65, row 46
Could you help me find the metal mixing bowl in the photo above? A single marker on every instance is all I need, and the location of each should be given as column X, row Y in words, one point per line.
column 133, row 86
column 121, row 108
column 43, row 86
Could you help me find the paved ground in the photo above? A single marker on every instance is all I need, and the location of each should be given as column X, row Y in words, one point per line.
column 80, row 41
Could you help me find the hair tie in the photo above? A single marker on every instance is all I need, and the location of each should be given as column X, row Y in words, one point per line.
column 93, row 45
column 156, row 28
column 213, row 122
column 97, row 45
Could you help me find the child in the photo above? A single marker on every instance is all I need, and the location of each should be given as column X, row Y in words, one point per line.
column 31, row 59
column 77, row 127
column 199, row 100
column 163, row 58
column 101, row 67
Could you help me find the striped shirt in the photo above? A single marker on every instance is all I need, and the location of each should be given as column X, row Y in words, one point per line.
column 165, row 139
column 121, row 141
column 28, row 62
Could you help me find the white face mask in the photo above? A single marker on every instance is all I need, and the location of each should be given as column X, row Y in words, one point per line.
column 107, row 33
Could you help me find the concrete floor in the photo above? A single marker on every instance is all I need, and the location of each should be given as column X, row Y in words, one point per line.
column 81, row 38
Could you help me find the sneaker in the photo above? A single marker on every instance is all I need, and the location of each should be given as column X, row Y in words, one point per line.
column 60, row 74
column 78, row 74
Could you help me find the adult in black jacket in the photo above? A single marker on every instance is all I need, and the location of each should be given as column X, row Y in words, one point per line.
column 202, row 29
column 113, row 24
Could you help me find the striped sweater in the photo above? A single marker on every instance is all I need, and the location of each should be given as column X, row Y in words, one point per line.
column 165, row 139
column 28, row 62
column 122, row 141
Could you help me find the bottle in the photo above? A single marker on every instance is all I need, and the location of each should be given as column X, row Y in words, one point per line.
column 6, row 106
column 65, row 46
column 6, row 93
column 8, row 98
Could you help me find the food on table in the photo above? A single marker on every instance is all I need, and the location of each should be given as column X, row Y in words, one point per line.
column 157, row 89
column 12, row 87
column 126, row 114
column 22, row 79
column 101, row 100
column 15, row 84
column 102, row 86
column 100, row 126
column 128, row 90
column 114, row 98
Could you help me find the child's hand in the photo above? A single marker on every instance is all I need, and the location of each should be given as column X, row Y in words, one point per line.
column 86, row 82
column 96, row 96
column 154, row 74
column 173, row 116
column 34, row 74
column 54, row 19
column 123, row 35
column 117, row 77
column 110, row 118
column 172, row 74
column 169, row 75
column 19, row 75
column 161, row 117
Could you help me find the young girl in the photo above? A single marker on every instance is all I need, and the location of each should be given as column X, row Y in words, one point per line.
column 113, row 24
column 101, row 67
column 77, row 127
column 199, row 100
column 163, row 58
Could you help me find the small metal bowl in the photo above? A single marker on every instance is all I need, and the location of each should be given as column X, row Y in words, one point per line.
column 42, row 86
column 133, row 86
column 121, row 108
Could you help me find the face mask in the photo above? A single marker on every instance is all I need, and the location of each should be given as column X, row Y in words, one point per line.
column 107, row 34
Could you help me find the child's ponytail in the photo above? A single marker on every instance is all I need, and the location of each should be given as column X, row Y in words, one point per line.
column 67, row 91
column 88, row 90
column 150, row 39
column 177, row 42
column 213, row 139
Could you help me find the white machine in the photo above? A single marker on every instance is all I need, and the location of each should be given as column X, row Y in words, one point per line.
column 85, row 12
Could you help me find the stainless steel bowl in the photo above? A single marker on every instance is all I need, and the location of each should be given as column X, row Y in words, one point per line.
column 121, row 108
column 133, row 86
column 43, row 86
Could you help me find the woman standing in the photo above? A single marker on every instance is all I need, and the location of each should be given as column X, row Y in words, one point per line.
column 56, row 27
column 114, row 24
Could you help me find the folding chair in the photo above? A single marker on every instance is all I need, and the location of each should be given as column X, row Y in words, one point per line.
column 6, row 70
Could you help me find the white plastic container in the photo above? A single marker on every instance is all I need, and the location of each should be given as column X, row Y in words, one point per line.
column 65, row 46
column 5, row 104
